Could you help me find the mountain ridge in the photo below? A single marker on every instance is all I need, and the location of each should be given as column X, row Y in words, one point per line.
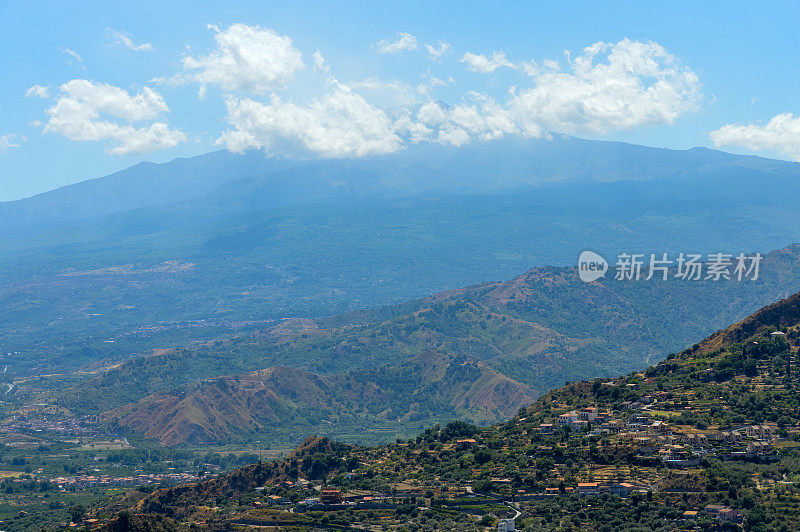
column 145, row 184
column 217, row 410
column 148, row 184
column 540, row 328
column 695, row 439
column 316, row 238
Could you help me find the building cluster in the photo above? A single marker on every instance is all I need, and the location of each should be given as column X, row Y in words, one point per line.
column 88, row 481
column 658, row 441
column 61, row 425
column 723, row 513
column 620, row 489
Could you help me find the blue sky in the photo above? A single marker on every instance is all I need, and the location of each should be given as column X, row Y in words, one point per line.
column 91, row 88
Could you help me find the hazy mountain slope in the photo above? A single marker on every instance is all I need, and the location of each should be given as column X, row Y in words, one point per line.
column 425, row 389
column 482, row 167
column 318, row 238
column 328, row 260
column 541, row 328
column 142, row 185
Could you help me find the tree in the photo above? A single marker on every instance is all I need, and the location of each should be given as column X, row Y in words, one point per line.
column 77, row 513
column 483, row 456
column 750, row 368
column 123, row 521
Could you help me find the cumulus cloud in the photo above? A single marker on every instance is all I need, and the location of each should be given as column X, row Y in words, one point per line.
column 38, row 90
column 11, row 140
column 478, row 118
column 534, row 69
column 781, row 135
column 437, row 51
column 607, row 87
column 247, row 58
column 122, row 38
column 88, row 111
column 486, row 64
column 405, row 41
column 339, row 124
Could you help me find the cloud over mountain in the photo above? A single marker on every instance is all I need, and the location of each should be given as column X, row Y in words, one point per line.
column 607, row 87
column 781, row 134
column 89, row 111
column 341, row 123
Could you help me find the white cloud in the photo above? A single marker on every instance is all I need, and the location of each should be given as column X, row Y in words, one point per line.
column 411, row 129
column 781, row 135
column 479, row 118
column 320, row 63
column 83, row 108
column 38, row 90
column 533, row 69
column 484, row 64
column 339, row 124
column 551, row 64
column 483, row 119
column 607, row 87
column 437, row 51
column 405, row 41
column 247, row 58
column 11, row 140
column 125, row 40
column 73, row 54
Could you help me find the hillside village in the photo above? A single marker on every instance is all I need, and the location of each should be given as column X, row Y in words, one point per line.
column 672, row 446
column 709, row 436
column 656, row 444
column 399, row 266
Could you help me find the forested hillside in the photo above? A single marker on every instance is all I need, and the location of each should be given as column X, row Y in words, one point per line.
column 706, row 438
column 541, row 329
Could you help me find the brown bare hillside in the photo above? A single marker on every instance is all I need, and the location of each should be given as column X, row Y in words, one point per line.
column 541, row 329
column 429, row 386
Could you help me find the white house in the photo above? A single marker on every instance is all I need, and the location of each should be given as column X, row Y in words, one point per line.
column 506, row 525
